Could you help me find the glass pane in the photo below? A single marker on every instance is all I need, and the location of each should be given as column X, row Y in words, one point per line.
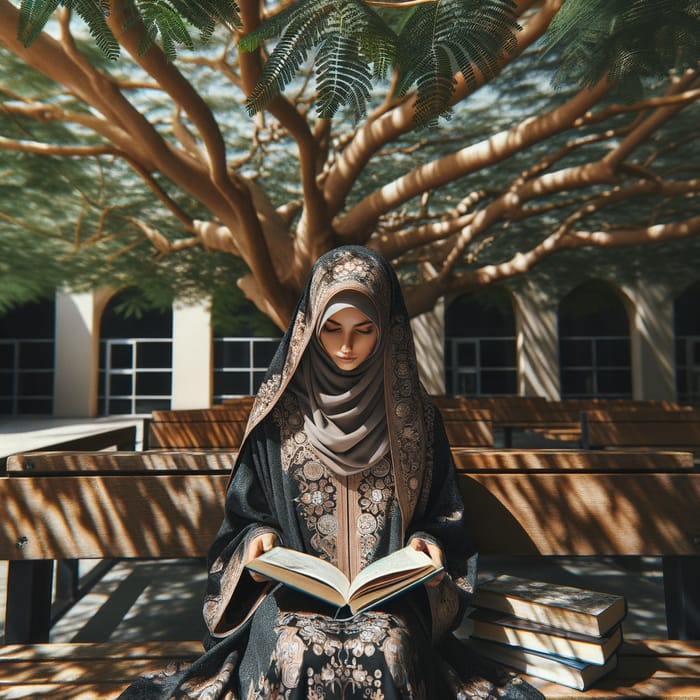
column 263, row 352
column 7, row 355
column 680, row 351
column 494, row 382
column 121, row 385
column 696, row 353
column 232, row 354
column 148, row 405
column 121, row 356
column 577, row 382
column 154, row 355
column 615, row 382
column 35, row 384
column 36, row 355
column 497, row 353
column 42, row 406
column 117, row 406
column 466, row 354
column 5, row 406
column 613, row 353
column 575, row 353
column 153, row 383
column 466, row 383
column 231, row 383
column 6, row 384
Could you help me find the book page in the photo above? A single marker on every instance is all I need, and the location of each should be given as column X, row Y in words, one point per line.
column 277, row 560
column 400, row 565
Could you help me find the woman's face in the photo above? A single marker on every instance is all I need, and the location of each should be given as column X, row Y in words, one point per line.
column 348, row 337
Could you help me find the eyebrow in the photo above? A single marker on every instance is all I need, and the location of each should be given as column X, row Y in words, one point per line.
column 368, row 322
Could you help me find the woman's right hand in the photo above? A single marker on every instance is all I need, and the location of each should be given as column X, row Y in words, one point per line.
column 257, row 546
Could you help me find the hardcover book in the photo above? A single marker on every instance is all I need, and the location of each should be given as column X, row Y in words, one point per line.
column 376, row 583
column 569, row 672
column 568, row 607
column 507, row 629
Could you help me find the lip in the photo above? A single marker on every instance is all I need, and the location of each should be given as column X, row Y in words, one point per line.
column 343, row 358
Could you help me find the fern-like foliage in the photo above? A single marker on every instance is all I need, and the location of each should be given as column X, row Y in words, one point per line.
column 353, row 46
column 439, row 39
column 627, row 39
column 166, row 21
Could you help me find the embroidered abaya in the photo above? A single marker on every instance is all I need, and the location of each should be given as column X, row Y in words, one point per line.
column 347, row 466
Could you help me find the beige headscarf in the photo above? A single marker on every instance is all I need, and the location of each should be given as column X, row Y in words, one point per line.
column 344, row 413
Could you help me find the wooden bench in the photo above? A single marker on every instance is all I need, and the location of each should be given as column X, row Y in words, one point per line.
column 168, row 505
column 223, row 428
column 216, row 428
column 468, row 427
column 643, row 427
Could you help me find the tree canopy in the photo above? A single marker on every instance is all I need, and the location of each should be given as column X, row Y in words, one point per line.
column 182, row 145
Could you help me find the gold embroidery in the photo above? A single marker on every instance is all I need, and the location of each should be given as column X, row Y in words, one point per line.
column 347, row 654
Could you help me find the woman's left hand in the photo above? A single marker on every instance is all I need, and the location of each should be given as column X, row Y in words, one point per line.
column 435, row 554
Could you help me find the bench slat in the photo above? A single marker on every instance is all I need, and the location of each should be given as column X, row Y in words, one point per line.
column 31, row 463
column 83, row 517
column 166, row 515
column 591, row 514
column 197, row 434
column 514, row 459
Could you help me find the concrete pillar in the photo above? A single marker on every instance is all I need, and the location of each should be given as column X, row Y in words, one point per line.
column 652, row 342
column 76, row 355
column 537, row 343
column 429, row 337
column 192, row 356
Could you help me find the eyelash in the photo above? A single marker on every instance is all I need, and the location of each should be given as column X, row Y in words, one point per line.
column 326, row 329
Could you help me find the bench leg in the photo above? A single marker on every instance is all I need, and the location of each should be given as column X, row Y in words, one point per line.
column 28, row 613
column 682, row 594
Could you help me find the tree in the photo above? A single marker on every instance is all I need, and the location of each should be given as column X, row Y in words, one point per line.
column 601, row 161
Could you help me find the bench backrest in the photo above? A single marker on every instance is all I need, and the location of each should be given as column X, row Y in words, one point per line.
column 220, row 428
column 646, row 427
column 59, row 514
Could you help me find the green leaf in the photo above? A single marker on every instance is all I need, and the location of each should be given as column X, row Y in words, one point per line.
column 629, row 40
column 33, row 16
column 440, row 39
column 353, row 45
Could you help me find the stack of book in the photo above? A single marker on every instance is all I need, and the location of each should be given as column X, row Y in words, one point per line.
column 559, row 633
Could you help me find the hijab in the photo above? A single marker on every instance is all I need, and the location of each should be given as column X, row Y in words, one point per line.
column 384, row 394
column 344, row 412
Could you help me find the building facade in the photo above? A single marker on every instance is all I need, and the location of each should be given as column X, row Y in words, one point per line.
column 74, row 356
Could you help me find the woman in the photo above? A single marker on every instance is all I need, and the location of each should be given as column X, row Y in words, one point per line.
column 344, row 458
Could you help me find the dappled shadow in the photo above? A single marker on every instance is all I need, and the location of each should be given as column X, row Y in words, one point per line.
column 141, row 515
column 569, row 513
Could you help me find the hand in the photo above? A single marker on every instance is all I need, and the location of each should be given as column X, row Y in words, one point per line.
column 435, row 554
column 258, row 545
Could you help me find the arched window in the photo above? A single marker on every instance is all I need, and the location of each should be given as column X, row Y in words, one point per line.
column 27, row 359
column 686, row 327
column 594, row 343
column 480, row 351
column 135, row 360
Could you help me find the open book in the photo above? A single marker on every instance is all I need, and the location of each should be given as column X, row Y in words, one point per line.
column 375, row 584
